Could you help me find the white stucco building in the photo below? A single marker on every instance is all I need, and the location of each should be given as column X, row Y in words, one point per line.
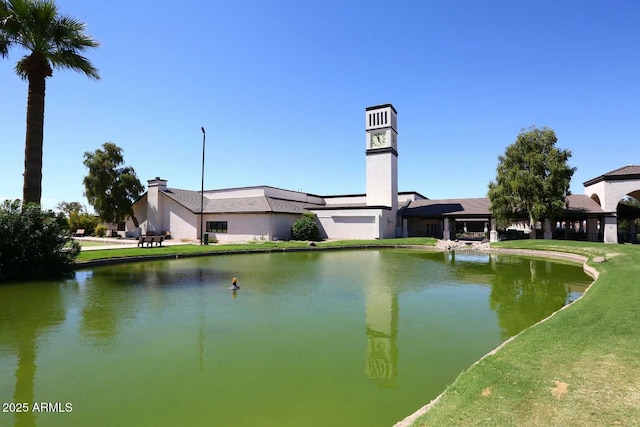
column 264, row 212
column 267, row 213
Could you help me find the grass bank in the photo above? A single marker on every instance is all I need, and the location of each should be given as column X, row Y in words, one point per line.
column 136, row 253
column 580, row 367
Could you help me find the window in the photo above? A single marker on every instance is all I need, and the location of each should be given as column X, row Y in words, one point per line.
column 216, row 226
column 122, row 226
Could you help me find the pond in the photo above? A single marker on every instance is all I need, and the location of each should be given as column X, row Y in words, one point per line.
column 337, row 338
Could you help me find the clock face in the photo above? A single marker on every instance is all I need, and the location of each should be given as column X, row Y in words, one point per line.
column 378, row 140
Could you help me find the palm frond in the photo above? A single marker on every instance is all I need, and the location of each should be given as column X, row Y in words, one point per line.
column 21, row 69
column 36, row 26
column 71, row 60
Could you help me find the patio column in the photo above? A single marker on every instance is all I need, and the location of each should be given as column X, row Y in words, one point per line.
column 446, row 234
column 610, row 229
column 493, row 234
column 547, row 229
column 592, row 229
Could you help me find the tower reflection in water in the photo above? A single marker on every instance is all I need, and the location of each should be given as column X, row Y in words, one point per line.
column 522, row 292
column 382, row 333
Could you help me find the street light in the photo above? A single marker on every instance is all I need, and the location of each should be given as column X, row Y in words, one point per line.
column 202, row 190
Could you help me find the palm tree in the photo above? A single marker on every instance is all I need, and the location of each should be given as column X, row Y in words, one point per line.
column 52, row 42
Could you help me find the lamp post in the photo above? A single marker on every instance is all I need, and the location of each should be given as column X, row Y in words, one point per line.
column 202, row 190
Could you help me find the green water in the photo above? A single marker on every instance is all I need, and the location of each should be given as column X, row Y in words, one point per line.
column 341, row 338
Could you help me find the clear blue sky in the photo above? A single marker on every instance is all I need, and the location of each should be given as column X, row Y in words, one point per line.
column 281, row 88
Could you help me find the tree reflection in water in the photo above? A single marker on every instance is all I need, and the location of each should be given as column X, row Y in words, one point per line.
column 521, row 297
column 523, row 290
column 21, row 331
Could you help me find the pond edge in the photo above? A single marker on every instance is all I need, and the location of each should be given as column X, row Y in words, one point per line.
column 591, row 271
column 121, row 260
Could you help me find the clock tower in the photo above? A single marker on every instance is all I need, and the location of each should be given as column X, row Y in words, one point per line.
column 381, row 124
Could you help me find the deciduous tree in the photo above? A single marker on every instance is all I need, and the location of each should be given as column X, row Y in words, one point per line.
column 53, row 41
column 110, row 186
column 533, row 178
column 69, row 207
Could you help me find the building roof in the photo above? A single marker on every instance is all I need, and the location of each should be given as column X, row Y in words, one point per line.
column 581, row 203
column 479, row 207
column 454, row 207
column 623, row 173
column 376, row 107
column 577, row 204
column 257, row 204
column 345, row 206
column 252, row 187
column 400, row 193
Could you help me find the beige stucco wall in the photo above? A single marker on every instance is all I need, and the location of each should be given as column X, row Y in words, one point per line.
column 180, row 221
column 185, row 225
column 258, row 226
column 387, row 224
column 611, row 192
column 240, row 227
column 171, row 216
column 382, row 182
column 282, row 225
column 346, row 200
column 348, row 227
column 357, row 223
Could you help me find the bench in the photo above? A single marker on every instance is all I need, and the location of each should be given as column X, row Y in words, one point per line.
column 150, row 240
column 79, row 233
column 157, row 240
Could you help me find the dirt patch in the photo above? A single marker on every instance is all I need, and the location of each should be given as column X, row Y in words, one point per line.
column 486, row 392
column 560, row 389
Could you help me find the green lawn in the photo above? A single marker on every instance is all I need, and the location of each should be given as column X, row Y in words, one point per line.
column 581, row 367
column 191, row 250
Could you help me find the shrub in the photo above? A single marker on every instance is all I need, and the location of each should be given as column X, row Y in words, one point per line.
column 306, row 228
column 101, row 230
column 35, row 243
column 81, row 220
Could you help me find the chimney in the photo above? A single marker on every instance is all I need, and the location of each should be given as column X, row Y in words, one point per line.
column 154, row 204
column 161, row 184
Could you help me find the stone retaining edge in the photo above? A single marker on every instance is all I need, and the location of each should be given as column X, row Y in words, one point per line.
column 122, row 260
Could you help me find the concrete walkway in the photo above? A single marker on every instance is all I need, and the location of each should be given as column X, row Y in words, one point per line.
column 110, row 243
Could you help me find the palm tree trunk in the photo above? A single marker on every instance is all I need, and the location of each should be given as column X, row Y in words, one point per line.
column 38, row 70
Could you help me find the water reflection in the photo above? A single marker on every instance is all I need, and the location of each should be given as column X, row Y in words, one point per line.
column 22, row 329
column 522, row 297
column 523, row 291
column 172, row 333
column 107, row 304
column 381, row 319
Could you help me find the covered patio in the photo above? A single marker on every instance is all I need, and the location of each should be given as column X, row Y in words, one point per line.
column 471, row 219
